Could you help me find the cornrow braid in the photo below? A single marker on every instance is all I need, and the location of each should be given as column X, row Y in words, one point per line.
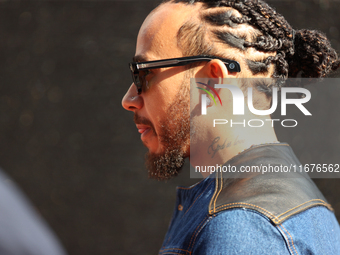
column 305, row 53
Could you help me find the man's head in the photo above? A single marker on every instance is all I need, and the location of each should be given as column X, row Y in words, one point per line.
column 162, row 110
column 249, row 32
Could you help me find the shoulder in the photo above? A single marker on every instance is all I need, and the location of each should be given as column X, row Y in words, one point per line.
column 238, row 231
column 315, row 229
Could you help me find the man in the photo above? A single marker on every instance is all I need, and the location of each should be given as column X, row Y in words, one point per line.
column 219, row 42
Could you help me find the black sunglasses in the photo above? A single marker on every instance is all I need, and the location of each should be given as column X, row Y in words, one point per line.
column 138, row 68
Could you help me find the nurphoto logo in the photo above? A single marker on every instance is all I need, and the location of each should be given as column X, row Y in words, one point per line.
column 239, row 103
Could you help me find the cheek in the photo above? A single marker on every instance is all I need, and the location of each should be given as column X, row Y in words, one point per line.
column 155, row 106
column 155, row 102
column 163, row 91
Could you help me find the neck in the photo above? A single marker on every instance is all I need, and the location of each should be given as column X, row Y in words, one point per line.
column 225, row 141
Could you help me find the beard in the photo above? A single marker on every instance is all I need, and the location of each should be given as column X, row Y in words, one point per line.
column 174, row 137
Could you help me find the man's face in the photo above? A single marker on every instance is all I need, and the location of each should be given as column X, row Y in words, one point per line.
column 161, row 112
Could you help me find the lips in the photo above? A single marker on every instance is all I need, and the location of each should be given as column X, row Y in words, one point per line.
column 143, row 129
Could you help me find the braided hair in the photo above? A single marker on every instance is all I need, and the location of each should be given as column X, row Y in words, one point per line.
column 305, row 53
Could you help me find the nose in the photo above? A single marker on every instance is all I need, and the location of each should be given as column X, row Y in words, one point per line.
column 132, row 101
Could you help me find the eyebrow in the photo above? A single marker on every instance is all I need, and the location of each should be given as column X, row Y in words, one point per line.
column 139, row 58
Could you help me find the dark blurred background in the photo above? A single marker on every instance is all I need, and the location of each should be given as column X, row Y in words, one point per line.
column 67, row 141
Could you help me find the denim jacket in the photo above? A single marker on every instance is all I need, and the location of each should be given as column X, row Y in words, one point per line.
column 262, row 214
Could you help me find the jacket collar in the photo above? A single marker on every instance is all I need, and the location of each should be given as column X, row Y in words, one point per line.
column 277, row 195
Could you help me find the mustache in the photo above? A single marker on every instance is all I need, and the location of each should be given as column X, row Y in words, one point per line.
column 141, row 120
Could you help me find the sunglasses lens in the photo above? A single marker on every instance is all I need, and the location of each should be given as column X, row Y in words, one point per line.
column 135, row 76
column 137, row 83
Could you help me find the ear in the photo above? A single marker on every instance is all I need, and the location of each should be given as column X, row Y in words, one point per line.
column 214, row 69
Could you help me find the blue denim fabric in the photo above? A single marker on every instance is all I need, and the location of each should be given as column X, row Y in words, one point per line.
column 243, row 231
